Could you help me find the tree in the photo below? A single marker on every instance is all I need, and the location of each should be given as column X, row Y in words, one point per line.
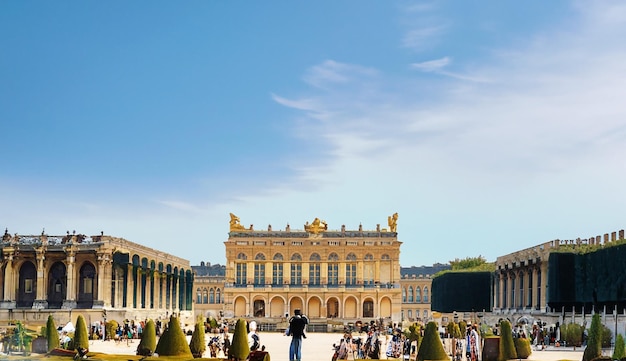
column 52, row 334
column 620, row 348
column 197, row 345
column 431, row 347
column 239, row 349
column 507, row 346
column 147, row 345
column 173, row 341
column 594, row 339
column 81, row 337
column 468, row 262
column 572, row 333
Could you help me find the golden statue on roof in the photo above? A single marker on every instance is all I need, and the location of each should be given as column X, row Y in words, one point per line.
column 235, row 224
column 316, row 227
column 392, row 222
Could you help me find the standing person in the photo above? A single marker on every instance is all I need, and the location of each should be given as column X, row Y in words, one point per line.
column 474, row 342
column 254, row 340
column 297, row 324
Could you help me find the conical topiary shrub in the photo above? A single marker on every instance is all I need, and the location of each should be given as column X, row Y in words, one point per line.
column 197, row 345
column 239, row 349
column 507, row 347
column 620, row 348
column 594, row 339
column 52, row 335
column 431, row 347
column 147, row 345
column 81, row 337
column 173, row 341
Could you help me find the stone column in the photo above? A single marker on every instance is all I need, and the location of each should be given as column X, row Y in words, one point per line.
column 70, row 263
column 103, row 298
column 129, row 281
column 41, row 301
column 10, row 286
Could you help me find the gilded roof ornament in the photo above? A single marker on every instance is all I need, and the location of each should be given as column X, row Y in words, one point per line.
column 392, row 222
column 235, row 224
column 316, row 227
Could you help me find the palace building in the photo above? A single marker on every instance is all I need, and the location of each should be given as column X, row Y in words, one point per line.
column 343, row 275
column 96, row 276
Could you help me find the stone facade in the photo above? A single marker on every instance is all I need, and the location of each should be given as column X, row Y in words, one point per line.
column 344, row 275
column 98, row 277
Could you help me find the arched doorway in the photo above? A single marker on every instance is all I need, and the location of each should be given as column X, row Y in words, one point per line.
column 350, row 308
column 385, row 307
column 259, row 308
column 57, row 285
column 332, row 308
column 240, row 307
column 277, row 307
column 28, row 285
column 314, row 308
column 86, row 285
column 368, row 308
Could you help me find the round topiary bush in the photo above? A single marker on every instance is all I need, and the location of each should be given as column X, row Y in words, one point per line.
column 522, row 347
column 52, row 335
column 431, row 347
column 110, row 328
column 81, row 337
column 173, row 341
column 147, row 345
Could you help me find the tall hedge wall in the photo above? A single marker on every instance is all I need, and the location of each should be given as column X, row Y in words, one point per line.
column 461, row 291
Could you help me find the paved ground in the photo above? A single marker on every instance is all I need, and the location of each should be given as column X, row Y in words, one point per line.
column 318, row 347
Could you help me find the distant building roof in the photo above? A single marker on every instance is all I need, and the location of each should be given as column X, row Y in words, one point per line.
column 209, row 270
column 423, row 270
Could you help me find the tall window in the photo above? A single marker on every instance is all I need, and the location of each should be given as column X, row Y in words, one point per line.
column 241, row 274
column 403, row 295
column 505, row 285
column 314, row 269
column 418, row 294
column 333, row 269
column 512, row 302
column 425, row 294
column 410, row 300
column 368, row 270
column 211, row 296
column 296, row 269
column 529, row 296
column 521, row 289
column 259, row 269
column 351, row 269
column 538, row 289
column 205, row 296
column 198, row 296
column 277, row 270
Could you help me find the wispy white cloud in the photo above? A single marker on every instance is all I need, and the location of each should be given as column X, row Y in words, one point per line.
column 432, row 65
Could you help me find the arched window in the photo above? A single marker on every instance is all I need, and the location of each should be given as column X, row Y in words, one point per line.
column 351, row 257
column 418, row 295
column 403, row 295
column 218, row 296
column 198, row 296
column 410, row 300
column 385, row 257
column 278, row 257
column 315, row 257
column 259, row 257
column 211, row 296
column 242, row 256
column 426, row 294
column 369, row 257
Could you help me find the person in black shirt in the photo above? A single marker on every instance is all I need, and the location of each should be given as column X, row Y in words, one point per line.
column 297, row 324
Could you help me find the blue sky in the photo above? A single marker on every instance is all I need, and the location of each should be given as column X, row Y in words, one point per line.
column 489, row 127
